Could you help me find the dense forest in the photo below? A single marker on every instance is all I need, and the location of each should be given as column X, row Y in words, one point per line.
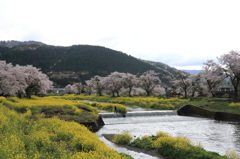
column 77, row 63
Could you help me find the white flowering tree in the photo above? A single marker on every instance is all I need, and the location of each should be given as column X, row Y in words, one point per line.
column 26, row 80
column 231, row 66
column 148, row 81
column 194, row 83
column 37, row 82
column 97, row 83
column 12, row 80
column 129, row 82
column 211, row 77
column 114, row 82
column 138, row 91
column 78, row 88
column 158, row 90
column 69, row 89
column 88, row 87
column 182, row 84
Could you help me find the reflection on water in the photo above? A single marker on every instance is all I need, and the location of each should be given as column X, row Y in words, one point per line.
column 214, row 135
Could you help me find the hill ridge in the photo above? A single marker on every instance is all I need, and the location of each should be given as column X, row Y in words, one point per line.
column 77, row 63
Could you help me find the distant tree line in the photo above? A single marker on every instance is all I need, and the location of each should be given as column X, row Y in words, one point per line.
column 212, row 77
column 117, row 84
column 27, row 80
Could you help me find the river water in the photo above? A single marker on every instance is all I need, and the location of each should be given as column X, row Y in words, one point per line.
column 216, row 136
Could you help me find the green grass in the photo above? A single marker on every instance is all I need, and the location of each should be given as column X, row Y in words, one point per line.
column 215, row 104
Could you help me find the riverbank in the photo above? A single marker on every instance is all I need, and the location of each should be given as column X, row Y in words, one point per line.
column 153, row 153
column 156, row 103
column 192, row 110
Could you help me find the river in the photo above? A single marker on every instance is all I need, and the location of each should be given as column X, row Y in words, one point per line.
column 216, row 136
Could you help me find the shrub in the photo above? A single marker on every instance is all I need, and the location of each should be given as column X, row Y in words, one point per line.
column 195, row 98
column 145, row 142
column 226, row 95
column 236, row 105
column 123, row 138
column 231, row 154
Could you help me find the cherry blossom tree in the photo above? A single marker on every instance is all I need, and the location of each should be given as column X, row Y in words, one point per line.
column 20, row 83
column 24, row 80
column 148, row 81
column 12, row 80
column 129, row 82
column 194, row 83
column 231, row 66
column 88, row 87
column 9, row 84
column 114, row 82
column 69, row 89
column 188, row 85
column 6, row 79
column 136, row 91
column 97, row 83
column 78, row 88
column 37, row 82
column 158, row 90
column 212, row 76
column 182, row 84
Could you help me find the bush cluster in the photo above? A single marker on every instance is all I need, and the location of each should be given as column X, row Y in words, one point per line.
column 123, row 138
column 173, row 147
column 235, row 105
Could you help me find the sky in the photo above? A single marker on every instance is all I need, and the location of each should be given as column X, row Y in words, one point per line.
column 180, row 33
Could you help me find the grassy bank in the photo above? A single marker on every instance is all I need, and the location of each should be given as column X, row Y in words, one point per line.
column 156, row 103
column 50, row 106
column 119, row 108
column 24, row 136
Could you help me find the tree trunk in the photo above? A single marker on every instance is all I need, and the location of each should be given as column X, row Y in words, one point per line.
column 117, row 93
column 193, row 92
column 129, row 92
column 148, row 93
column 236, row 93
column 185, row 93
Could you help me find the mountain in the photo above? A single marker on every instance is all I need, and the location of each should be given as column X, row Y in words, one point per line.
column 192, row 71
column 165, row 67
column 78, row 63
column 13, row 43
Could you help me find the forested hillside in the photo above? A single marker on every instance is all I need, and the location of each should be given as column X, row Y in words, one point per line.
column 164, row 67
column 78, row 63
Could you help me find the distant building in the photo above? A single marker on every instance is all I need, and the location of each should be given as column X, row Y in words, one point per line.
column 56, row 91
column 224, row 89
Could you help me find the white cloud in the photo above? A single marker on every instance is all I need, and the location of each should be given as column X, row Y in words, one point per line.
column 178, row 33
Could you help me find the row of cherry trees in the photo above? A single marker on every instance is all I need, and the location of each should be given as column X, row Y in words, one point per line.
column 22, row 80
column 212, row 76
column 120, row 83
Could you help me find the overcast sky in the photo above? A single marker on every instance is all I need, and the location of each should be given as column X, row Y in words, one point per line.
column 180, row 33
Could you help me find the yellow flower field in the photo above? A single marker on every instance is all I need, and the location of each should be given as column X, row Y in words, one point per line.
column 53, row 106
column 23, row 137
column 145, row 102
